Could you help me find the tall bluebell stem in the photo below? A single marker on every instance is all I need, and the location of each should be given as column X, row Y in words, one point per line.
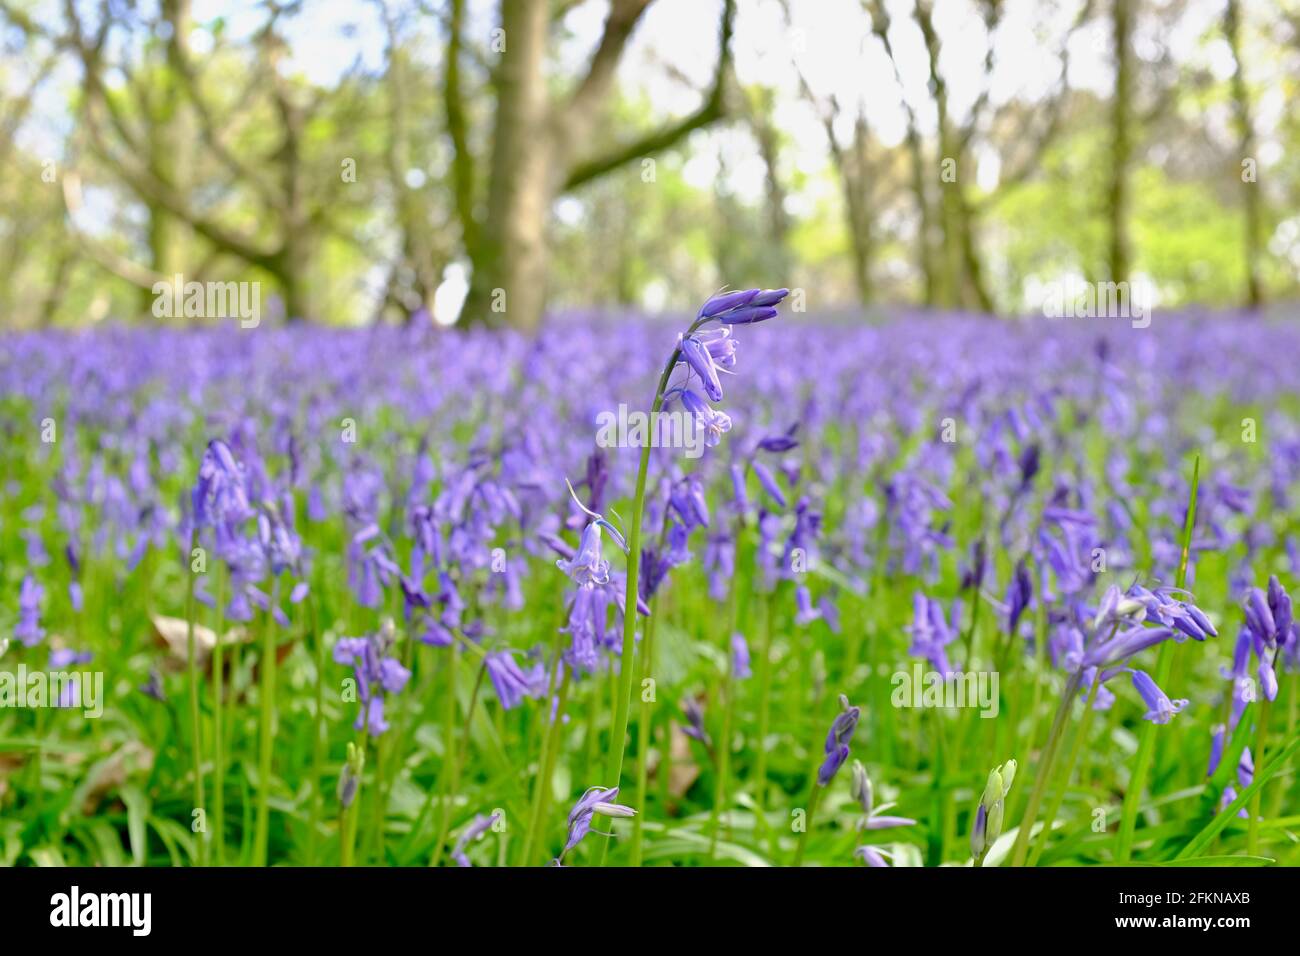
column 195, row 721
column 733, row 308
column 1146, row 736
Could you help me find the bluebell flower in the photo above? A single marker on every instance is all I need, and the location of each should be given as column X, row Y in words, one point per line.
column 1123, row 646
column 987, row 826
column 768, row 483
column 1269, row 614
column 1279, row 602
column 377, row 674
column 687, row 499
column 587, row 568
column 715, row 423
column 726, row 302
column 1019, row 594
column 28, row 630
column 597, row 800
column 873, row 817
column 700, row 359
column 739, row 493
column 837, row 741
column 740, row 668
column 1160, row 709
column 781, row 443
column 477, row 827
column 930, row 631
column 805, row 612
column 695, row 721
column 511, row 683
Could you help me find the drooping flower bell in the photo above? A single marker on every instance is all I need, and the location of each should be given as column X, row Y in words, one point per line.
column 597, row 800
column 837, row 741
column 511, row 683
column 28, row 630
column 587, row 568
column 377, row 672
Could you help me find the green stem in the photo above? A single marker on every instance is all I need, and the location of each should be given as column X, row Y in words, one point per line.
column 618, row 729
column 1261, row 738
column 1045, row 769
column 318, row 743
column 543, row 797
column 1081, row 734
column 218, row 732
column 458, row 758
column 1146, row 735
column 266, row 742
column 643, row 738
column 348, row 817
column 1202, row 840
column 764, row 710
column 195, row 723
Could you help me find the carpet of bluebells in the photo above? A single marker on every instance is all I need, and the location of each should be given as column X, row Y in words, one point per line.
column 359, row 597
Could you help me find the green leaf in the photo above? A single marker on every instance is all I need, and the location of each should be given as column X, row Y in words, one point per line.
column 1211, row 861
column 1224, row 816
column 137, row 812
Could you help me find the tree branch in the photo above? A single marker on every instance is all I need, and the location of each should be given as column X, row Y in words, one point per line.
column 711, row 110
column 462, row 162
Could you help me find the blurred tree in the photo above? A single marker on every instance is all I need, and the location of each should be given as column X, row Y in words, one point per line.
column 858, row 164
column 135, row 128
column 761, row 101
column 1246, row 148
column 537, row 148
column 1121, row 145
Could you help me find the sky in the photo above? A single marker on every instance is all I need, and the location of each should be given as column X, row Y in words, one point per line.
column 829, row 40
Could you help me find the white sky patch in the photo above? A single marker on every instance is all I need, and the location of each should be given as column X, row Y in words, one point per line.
column 450, row 294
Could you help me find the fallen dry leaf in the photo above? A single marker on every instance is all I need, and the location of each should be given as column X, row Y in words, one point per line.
column 172, row 633
column 131, row 759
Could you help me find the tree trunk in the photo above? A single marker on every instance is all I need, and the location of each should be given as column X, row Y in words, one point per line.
column 769, row 150
column 1118, row 200
column 976, row 288
column 167, row 141
column 950, row 216
column 1246, row 147
column 510, row 262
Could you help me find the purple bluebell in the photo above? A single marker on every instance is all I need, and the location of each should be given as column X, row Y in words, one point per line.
column 28, row 630
column 511, row 683
column 695, row 721
column 1020, row 593
column 698, row 357
column 597, row 800
column 931, row 632
column 377, row 673
column 837, row 741
column 587, row 568
column 477, row 827
column 714, row 423
column 1160, row 709
column 768, row 483
column 740, row 667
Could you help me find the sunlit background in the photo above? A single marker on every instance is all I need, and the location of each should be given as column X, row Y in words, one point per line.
column 314, row 147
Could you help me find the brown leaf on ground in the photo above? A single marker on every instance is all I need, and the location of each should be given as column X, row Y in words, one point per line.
column 172, row 634
column 131, row 759
column 684, row 771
